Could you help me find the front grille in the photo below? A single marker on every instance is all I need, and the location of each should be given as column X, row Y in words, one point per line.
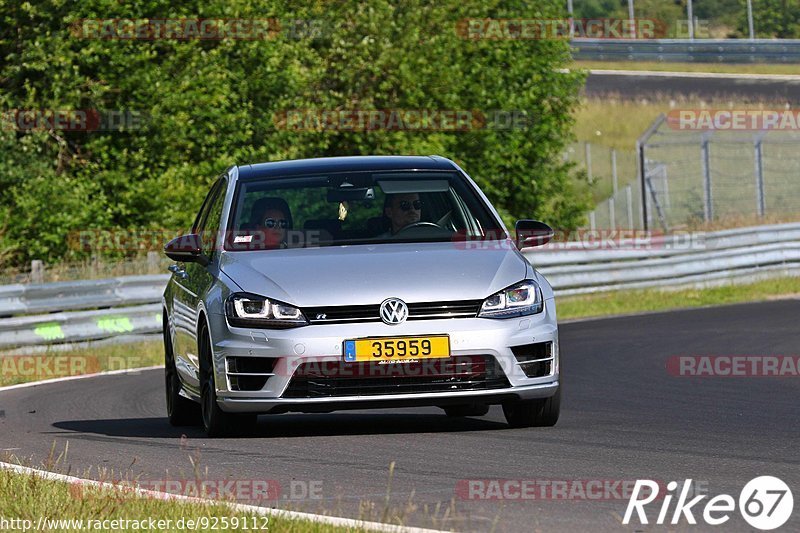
column 347, row 314
column 460, row 373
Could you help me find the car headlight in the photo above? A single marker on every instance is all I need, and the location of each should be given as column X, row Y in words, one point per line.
column 524, row 298
column 253, row 311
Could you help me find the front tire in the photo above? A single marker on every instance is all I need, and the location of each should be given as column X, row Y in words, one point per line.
column 541, row 412
column 217, row 422
column 180, row 411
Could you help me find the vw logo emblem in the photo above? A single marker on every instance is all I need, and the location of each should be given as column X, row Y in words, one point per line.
column 394, row 311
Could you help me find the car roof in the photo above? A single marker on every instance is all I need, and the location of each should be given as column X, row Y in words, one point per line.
column 302, row 167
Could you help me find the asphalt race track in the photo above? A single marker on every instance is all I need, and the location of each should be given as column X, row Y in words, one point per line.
column 688, row 87
column 624, row 417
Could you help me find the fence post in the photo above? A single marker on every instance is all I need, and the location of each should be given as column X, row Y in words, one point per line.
column 614, row 181
column 612, row 213
column 588, row 158
column 708, row 211
column 629, row 198
column 759, row 159
column 37, row 271
column 641, row 142
column 152, row 262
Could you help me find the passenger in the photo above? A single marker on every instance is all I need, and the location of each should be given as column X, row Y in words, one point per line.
column 271, row 219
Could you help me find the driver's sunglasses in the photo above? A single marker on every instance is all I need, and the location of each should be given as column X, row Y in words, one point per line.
column 405, row 205
column 274, row 223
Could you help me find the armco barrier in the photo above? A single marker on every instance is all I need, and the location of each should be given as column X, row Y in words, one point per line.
column 690, row 260
column 75, row 311
column 685, row 50
column 129, row 307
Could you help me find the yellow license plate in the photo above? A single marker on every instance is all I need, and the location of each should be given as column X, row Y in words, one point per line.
column 397, row 348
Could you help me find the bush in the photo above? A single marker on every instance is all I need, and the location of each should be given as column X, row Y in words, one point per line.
column 206, row 105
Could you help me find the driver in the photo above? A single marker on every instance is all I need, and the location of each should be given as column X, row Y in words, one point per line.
column 402, row 210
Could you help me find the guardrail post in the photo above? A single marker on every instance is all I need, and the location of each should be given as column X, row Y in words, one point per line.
column 37, row 271
column 759, row 162
column 708, row 211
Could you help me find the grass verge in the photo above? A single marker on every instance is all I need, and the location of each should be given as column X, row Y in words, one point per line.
column 650, row 300
column 55, row 364
column 749, row 68
column 34, row 497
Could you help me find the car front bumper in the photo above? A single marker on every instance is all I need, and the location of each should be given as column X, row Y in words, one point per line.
column 324, row 343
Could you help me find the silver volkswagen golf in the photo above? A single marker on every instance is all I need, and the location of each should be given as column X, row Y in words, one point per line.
column 356, row 282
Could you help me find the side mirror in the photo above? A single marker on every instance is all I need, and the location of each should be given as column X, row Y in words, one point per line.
column 532, row 233
column 187, row 249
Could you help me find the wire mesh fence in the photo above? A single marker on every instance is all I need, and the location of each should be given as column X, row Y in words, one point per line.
column 612, row 176
column 706, row 176
column 701, row 177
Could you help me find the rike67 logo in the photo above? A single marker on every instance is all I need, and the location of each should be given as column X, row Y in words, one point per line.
column 765, row 503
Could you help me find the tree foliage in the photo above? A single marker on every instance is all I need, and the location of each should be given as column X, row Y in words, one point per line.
column 206, row 105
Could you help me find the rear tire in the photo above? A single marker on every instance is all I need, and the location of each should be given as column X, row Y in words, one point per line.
column 542, row 412
column 217, row 422
column 180, row 411
column 466, row 410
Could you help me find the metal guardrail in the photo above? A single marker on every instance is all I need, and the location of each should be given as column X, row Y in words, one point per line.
column 684, row 50
column 128, row 307
column 85, row 294
column 678, row 261
column 76, row 311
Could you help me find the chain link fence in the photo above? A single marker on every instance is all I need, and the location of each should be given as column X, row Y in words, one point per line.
column 693, row 178
column 613, row 178
column 701, row 177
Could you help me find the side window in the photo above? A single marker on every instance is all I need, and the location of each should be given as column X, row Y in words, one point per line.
column 209, row 225
column 203, row 213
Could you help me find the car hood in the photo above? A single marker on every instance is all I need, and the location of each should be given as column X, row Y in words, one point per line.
column 368, row 274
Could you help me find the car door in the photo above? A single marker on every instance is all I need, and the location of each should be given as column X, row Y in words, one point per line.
column 192, row 280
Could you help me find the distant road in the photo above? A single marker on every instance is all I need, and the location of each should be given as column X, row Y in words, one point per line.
column 694, row 85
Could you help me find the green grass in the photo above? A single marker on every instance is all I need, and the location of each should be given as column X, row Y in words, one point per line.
column 650, row 300
column 749, row 68
column 55, row 364
column 34, row 497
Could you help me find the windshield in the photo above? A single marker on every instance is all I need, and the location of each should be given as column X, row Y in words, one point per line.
column 357, row 208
